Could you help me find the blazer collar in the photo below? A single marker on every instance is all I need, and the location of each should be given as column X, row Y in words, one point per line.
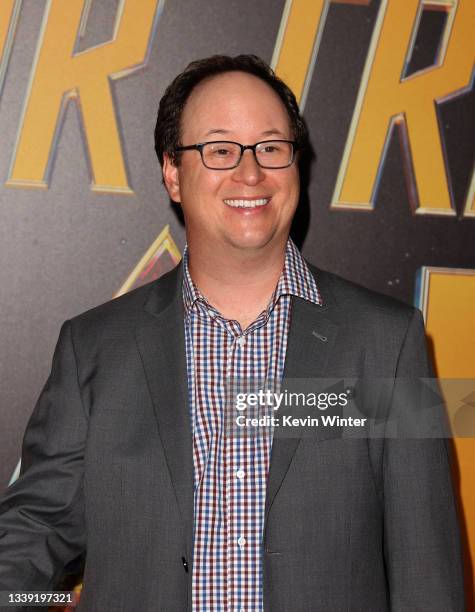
column 166, row 294
column 312, row 336
column 161, row 344
column 167, row 291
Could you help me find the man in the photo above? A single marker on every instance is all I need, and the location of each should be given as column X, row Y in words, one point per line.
column 127, row 456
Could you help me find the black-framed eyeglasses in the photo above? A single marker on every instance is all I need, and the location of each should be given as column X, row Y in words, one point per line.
column 226, row 154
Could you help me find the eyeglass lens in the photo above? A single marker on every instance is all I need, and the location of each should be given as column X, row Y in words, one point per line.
column 269, row 154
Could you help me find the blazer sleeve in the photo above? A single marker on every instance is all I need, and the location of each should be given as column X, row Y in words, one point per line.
column 421, row 533
column 42, row 513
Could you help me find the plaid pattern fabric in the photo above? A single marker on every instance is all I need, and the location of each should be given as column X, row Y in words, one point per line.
column 230, row 471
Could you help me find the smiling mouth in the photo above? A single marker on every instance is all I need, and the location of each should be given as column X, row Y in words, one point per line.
column 234, row 203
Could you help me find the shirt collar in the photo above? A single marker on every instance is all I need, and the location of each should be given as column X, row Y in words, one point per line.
column 191, row 292
column 296, row 279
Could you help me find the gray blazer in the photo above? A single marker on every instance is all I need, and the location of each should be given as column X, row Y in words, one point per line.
column 351, row 524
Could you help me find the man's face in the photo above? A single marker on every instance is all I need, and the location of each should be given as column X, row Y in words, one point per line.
column 239, row 107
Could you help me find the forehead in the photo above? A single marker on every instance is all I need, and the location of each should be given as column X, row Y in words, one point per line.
column 233, row 103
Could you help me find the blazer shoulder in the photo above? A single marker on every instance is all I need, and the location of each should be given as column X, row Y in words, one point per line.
column 129, row 307
column 350, row 297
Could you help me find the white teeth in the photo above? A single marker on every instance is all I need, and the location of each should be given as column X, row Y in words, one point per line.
column 246, row 203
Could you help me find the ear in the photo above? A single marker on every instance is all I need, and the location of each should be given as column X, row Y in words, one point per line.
column 171, row 178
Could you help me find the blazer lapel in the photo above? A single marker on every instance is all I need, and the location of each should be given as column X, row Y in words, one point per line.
column 312, row 336
column 161, row 343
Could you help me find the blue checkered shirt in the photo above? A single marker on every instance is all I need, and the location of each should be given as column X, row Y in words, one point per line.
column 230, row 471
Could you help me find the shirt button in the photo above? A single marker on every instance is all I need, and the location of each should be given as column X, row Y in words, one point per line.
column 242, row 542
column 240, row 474
column 241, row 340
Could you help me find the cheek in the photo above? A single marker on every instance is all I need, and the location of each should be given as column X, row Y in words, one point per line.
column 201, row 184
column 290, row 188
column 200, row 193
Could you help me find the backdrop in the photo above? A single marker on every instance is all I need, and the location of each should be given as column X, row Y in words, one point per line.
column 386, row 88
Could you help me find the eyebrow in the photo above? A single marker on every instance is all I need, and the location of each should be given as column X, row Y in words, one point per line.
column 271, row 132
column 217, row 131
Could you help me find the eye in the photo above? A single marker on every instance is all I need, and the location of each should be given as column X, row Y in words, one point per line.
column 220, row 149
column 270, row 148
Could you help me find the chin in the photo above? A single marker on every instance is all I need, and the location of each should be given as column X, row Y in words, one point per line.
column 255, row 241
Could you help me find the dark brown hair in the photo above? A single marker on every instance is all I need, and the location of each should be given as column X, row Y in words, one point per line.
column 170, row 110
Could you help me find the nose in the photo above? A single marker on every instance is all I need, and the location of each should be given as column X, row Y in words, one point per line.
column 248, row 171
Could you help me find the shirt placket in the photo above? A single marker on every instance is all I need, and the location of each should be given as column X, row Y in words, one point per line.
column 235, row 515
column 239, row 452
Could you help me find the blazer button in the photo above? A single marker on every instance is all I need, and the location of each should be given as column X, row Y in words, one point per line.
column 185, row 564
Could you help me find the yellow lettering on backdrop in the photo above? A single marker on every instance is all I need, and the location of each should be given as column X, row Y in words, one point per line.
column 297, row 44
column 9, row 11
column 470, row 201
column 447, row 298
column 298, row 41
column 59, row 74
column 163, row 243
column 386, row 97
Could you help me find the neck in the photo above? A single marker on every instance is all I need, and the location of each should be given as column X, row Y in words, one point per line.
column 237, row 282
